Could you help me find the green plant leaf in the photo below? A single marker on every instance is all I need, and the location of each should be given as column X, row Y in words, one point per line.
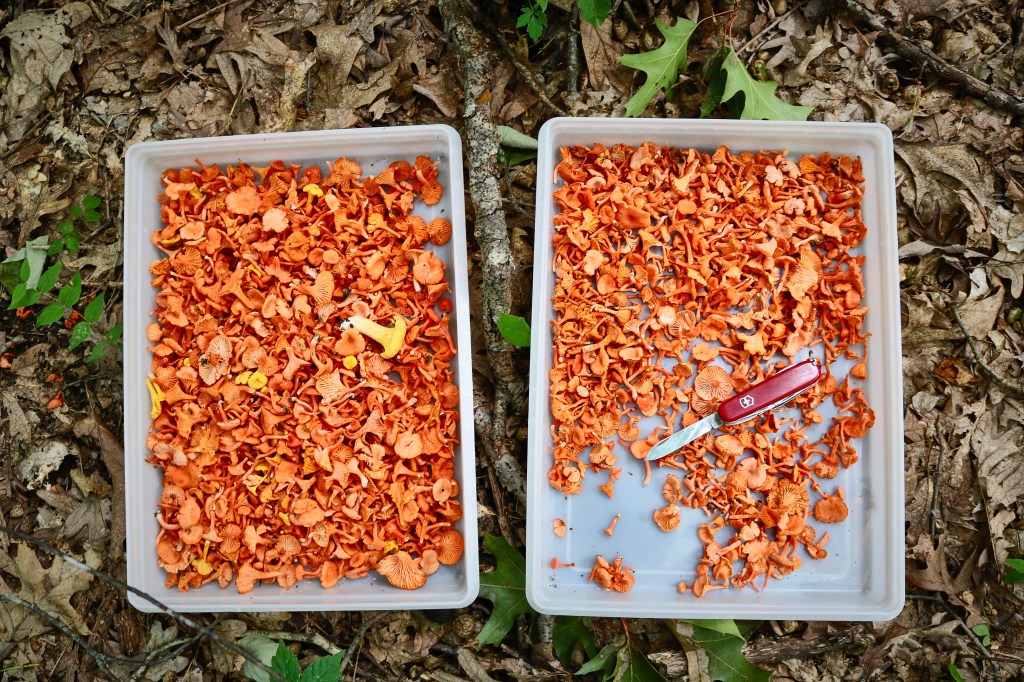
column 98, row 351
column 983, row 632
column 79, row 334
column 724, row 627
column 91, row 201
column 30, row 299
column 70, row 294
column 18, row 296
column 76, row 211
column 514, row 157
column 1016, row 572
column 263, row 650
column 94, row 310
column 716, row 88
column 326, row 669
column 92, row 216
column 955, row 674
column 510, row 137
column 55, row 247
column 535, row 25
column 632, row 666
column 567, row 632
column 504, row 587
column 30, row 260
column 515, row 330
column 524, row 17
column 605, row 660
column 114, row 334
column 72, row 242
column 66, row 228
column 49, row 278
column 9, row 275
column 285, row 663
column 725, row 657
column 661, row 65
column 50, row 314
column 594, row 12
column 759, row 98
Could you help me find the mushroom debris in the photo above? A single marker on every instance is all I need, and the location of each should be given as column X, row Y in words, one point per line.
column 682, row 277
column 303, row 402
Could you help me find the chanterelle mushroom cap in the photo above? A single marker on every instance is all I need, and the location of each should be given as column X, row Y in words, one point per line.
column 402, row 570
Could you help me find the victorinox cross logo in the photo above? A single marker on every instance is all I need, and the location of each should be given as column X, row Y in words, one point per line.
column 746, row 401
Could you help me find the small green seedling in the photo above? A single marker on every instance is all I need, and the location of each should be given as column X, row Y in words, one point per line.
column 70, row 236
column 534, row 16
column 983, row 633
column 955, row 673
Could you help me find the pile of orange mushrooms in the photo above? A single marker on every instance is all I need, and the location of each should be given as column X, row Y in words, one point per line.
column 304, row 408
column 682, row 277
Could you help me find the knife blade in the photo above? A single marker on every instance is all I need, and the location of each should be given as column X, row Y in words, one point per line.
column 769, row 394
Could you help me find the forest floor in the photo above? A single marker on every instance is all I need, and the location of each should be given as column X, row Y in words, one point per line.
column 82, row 81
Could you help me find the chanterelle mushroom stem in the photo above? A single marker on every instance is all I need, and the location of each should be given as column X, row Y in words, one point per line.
column 391, row 338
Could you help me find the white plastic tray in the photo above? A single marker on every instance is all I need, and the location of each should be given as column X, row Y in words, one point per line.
column 452, row 586
column 863, row 576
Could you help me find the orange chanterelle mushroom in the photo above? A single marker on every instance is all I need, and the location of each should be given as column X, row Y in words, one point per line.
column 682, row 277
column 305, row 410
column 612, row 576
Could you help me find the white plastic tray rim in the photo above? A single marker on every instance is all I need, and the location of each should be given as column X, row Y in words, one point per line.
column 452, row 586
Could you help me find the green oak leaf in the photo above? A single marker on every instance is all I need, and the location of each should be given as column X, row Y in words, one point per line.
column 568, row 631
column 505, row 587
column 594, row 12
column 632, row 666
column 725, row 657
column 661, row 65
column 604, row 661
column 759, row 100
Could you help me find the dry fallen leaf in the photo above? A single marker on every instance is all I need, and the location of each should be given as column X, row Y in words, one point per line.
column 50, row 589
column 1000, row 463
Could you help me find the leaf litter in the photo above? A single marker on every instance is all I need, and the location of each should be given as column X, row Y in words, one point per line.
column 100, row 79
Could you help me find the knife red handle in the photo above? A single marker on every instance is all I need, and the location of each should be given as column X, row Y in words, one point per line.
column 777, row 388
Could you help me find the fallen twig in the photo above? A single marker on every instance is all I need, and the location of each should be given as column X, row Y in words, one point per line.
column 1005, row 384
column 101, row 658
column 357, row 640
column 572, row 55
column 315, row 638
column 181, row 618
column 909, row 50
column 476, row 65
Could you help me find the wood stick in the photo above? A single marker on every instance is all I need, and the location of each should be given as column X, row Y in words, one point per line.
column 923, row 55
